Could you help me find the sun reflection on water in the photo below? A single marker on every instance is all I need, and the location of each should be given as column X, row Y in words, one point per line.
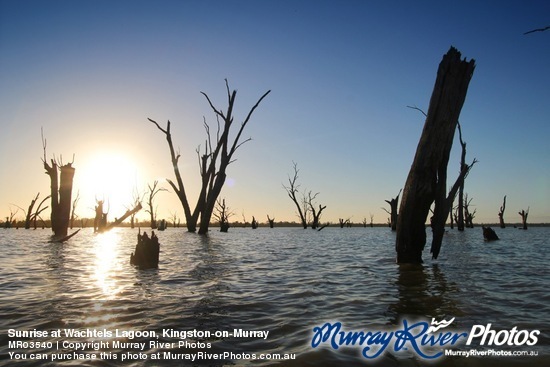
column 106, row 251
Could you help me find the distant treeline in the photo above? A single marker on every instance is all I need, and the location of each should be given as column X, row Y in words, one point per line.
column 89, row 223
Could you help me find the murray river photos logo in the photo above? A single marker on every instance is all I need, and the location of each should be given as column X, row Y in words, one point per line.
column 427, row 340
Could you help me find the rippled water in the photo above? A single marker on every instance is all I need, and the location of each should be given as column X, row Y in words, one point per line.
column 285, row 280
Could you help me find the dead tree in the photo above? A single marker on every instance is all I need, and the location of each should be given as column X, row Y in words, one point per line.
column 128, row 213
column 146, row 254
column 31, row 216
column 213, row 162
column 10, row 221
column 222, row 215
column 393, row 211
column 153, row 191
column 344, row 222
column 136, row 199
column 460, row 220
column 427, row 179
column 174, row 218
column 501, row 213
column 301, row 204
column 271, row 221
column 73, row 215
column 372, row 220
column 100, row 219
column 451, row 216
column 524, row 215
column 254, row 223
column 468, row 215
column 440, row 214
column 61, row 189
column 315, row 213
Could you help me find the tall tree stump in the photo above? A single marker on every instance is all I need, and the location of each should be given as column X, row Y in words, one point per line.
column 427, row 179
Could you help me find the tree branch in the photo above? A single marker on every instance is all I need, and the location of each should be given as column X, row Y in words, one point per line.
column 537, row 30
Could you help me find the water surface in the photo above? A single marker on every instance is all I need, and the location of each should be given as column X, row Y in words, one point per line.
column 285, row 280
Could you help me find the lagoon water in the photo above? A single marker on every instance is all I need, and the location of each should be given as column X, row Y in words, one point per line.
column 282, row 280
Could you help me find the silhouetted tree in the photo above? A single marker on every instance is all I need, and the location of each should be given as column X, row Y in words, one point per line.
column 222, row 215
column 468, row 215
column 524, row 215
column 427, row 179
column 100, row 219
column 73, row 210
column 393, row 211
column 174, row 217
column 451, row 216
column 344, row 222
column 501, row 213
column 271, row 221
column 10, row 220
column 137, row 198
column 254, row 223
column 31, row 216
column 459, row 217
column 213, row 162
column 302, row 205
column 460, row 220
column 440, row 216
column 315, row 213
column 153, row 191
column 61, row 190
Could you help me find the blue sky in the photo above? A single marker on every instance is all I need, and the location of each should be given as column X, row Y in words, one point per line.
column 341, row 74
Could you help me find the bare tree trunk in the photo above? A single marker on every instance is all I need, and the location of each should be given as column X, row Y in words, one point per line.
column 452, row 225
column 213, row 163
column 440, row 213
column 128, row 213
column 61, row 190
column 393, row 211
column 292, row 191
column 222, row 214
column 460, row 219
column 427, row 179
column 73, row 215
column 501, row 213
column 316, row 214
column 271, row 222
column 524, row 215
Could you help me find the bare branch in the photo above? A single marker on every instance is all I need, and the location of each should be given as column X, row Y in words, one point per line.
column 418, row 109
column 235, row 146
column 537, row 30
column 167, row 131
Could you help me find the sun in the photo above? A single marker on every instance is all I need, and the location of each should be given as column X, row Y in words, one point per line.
column 112, row 177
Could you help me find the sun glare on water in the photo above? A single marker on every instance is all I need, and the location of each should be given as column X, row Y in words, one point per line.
column 106, row 252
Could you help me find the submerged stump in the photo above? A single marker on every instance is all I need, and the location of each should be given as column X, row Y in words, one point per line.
column 146, row 255
column 489, row 234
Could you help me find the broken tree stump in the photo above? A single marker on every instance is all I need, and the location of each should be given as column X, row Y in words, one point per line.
column 489, row 234
column 146, row 255
column 427, row 179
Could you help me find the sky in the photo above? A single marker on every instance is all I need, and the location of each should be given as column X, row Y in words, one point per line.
column 341, row 74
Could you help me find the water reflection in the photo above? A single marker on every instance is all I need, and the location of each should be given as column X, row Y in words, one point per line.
column 105, row 251
column 424, row 292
